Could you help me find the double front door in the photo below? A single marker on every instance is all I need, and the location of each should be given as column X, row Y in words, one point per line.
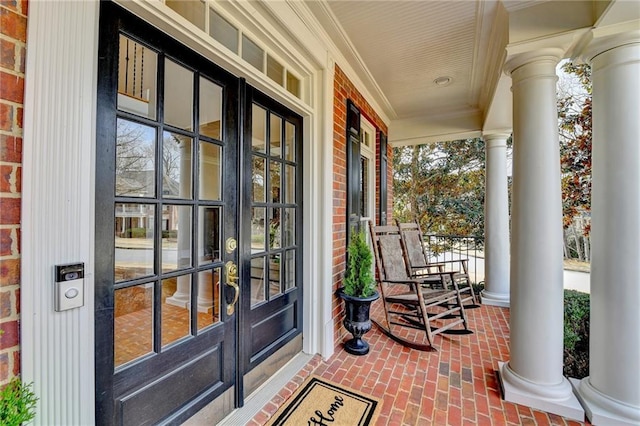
column 198, row 237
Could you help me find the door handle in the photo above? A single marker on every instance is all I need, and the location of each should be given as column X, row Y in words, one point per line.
column 232, row 278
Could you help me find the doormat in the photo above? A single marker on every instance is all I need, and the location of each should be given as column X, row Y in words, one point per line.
column 319, row 402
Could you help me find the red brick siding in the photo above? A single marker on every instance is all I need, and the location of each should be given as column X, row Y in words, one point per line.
column 13, row 37
column 343, row 89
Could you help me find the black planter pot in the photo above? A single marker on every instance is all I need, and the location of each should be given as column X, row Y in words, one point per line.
column 357, row 321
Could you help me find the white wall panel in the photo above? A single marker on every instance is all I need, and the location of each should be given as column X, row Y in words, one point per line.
column 58, row 205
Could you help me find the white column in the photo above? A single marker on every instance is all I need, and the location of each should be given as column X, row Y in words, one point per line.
column 182, row 296
column 611, row 394
column 533, row 376
column 496, row 222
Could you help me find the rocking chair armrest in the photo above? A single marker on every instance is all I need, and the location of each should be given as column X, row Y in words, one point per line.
column 448, row 261
column 433, row 274
column 407, row 281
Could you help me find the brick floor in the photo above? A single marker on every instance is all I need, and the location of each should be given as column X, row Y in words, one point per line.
column 457, row 385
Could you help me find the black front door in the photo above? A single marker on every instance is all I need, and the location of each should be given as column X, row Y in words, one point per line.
column 198, row 213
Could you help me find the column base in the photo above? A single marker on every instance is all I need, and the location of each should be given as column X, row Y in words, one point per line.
column 177, row 301
column 205, row 308
column 603, row 410
column 495, row 299
column 557, row 399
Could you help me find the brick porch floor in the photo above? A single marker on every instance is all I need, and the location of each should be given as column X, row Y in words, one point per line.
column 457, row 385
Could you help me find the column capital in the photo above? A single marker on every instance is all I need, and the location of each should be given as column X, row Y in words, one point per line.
column 551, row 55
column 602, row 39
column 496, row 138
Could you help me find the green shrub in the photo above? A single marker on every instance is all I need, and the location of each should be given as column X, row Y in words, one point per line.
column 169, row 233
column 136, row 233
column 576, row 334
column 478, row 288
column 17, row 403
column 358, row 278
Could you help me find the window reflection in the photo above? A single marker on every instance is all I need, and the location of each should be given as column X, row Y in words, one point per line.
column 290, row 270
column 176, row 312
column 274, row 275
column 290, row 141
column 178, row 95
column 209, row 237
column 210, row 112
column 275, row 136
column 208, row 298
column 274, row 175
column 135, row 159
column 290, row 184
column 137, row 66
column 258, row 179
column 176, row 237
column 257, row 280
column 210, row 171
column 259, row 129
column 133, row 323
column 258, row 215
column 134, row 240
column 176, row 166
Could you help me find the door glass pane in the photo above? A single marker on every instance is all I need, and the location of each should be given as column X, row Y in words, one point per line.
column 275, row 136
column 176, row 166
column 209, row 236
column 257, row 280
column 275, row 167
column 290, row 141
column 176, row 237
column 133, row 323
column 210, row 109
column 274, row 275
column 274, row 228
column 178, row 95
column 259, row 129
column 134, row 241
column 290, row 270
column 252, row 53
column 258, row 179
column 135, row 159
column 208, row 297
column 210, row 171
column 221, row 30
column 290, row 184
column 258, row 215
column 176, row 312
column 289, row 227
column 137, row 66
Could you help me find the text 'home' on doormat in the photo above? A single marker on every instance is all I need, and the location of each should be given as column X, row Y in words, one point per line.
column 320, row 402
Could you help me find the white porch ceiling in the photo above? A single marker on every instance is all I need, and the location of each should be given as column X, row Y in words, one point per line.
column 406, row 45
column 399, row 48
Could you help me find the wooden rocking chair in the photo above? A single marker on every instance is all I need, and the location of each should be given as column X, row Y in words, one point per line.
column 419, row 264
column 407, row 301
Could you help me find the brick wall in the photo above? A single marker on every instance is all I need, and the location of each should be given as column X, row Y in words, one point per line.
column 13, row 36
column 343, row 89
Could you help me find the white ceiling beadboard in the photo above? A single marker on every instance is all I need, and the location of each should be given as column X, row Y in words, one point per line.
column 397, row 48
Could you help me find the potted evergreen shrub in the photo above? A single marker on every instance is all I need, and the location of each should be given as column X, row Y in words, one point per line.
column 17, row 403
column 358, row 292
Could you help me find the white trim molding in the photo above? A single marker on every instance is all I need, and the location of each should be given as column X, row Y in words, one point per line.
column 58, row 206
